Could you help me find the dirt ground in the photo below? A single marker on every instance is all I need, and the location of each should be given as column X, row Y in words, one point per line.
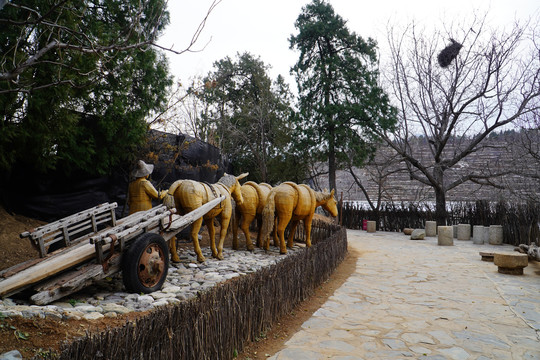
column 39, row 336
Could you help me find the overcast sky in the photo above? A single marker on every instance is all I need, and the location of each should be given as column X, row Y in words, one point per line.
column 263, row 27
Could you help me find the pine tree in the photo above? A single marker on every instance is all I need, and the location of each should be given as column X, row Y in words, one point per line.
column 340, row 100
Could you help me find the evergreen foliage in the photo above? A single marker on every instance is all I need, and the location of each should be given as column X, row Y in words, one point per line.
column 77, row 79
column 340, row 99
column 250, row 115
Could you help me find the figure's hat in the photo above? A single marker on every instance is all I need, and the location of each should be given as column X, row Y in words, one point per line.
column 143, row 169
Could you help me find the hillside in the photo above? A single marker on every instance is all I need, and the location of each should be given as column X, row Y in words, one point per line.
column 14, row 250
column 500, row 154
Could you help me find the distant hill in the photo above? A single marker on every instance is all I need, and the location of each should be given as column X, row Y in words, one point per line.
column 500, row 153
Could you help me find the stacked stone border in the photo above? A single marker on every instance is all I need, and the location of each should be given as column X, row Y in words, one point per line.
column 218, row 322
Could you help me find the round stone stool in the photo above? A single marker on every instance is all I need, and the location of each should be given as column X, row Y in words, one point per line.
column 431, row 228
column 445, row 237
column 464, row 232
column 510, row 262
column 371, row 226
column 495, row 234
column 478, row 234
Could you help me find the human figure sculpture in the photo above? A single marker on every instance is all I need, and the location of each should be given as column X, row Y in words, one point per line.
column 291, row 202
column 141, row 192
column 254, row 196
column 188, row 195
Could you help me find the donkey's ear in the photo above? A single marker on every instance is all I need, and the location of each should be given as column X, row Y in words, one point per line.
column 240, row 177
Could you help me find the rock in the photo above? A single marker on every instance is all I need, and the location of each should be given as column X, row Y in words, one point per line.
column 118, row 309
column 93, row 316
column 408, row 231
column 418, row 234
column 11, row 355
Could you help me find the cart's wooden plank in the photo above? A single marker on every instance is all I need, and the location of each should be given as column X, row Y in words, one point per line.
column 133, row 220
column 87, row 271
column 49, row 266
column 19, row 267
column 41, row 230
column 68, row 229
column 75, row 282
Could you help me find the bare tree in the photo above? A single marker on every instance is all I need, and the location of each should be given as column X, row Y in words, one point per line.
column 185, row 112
column 141, row 26
column 524, row 149
column 492, row 80
column 373, row 179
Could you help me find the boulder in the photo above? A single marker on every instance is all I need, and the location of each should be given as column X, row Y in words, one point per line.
column 418, row 234
column 408, row 231
column 11, row 355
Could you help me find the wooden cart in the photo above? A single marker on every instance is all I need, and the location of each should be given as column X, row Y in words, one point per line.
column 93, row 245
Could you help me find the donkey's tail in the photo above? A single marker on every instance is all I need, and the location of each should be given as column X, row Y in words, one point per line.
column 168, row 200
column 268, row 217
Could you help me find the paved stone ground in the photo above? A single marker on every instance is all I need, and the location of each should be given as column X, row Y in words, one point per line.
column 415, row 299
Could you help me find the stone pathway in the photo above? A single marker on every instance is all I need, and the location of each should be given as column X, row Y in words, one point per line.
column 414, row 299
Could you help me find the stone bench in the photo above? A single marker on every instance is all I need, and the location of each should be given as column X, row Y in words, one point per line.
column 510, row 263
column 486, row 256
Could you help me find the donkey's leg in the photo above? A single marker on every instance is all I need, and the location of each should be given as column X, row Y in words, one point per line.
column 246, row 221
column 172, row 248
column 235, row 224
column 281, row 225
column 211, row 233
column 195, row 238
column 225, row 219
column 259, row 233
column 275, row 236
column 307, row 226
column 291, row 234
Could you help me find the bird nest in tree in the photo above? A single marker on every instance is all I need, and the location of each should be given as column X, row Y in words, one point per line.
column 449, row 53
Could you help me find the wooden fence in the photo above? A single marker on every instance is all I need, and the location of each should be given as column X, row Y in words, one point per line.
column 220, row 321
column 520, row 221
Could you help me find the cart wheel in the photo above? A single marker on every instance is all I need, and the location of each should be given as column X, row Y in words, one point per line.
column 145, row 264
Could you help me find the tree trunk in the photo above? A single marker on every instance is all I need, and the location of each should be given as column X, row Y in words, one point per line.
column 440, row 207
column 440, row 195
column 332, row 162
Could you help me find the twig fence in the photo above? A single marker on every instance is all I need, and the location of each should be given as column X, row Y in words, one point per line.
column 520, row 221
column 221, row 320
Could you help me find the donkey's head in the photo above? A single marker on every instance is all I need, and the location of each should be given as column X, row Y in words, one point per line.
column 231, row 182
column 329, row 203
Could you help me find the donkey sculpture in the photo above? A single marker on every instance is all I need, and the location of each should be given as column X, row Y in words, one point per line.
column 188, row 195
column 254, row 196
column 292, row 202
